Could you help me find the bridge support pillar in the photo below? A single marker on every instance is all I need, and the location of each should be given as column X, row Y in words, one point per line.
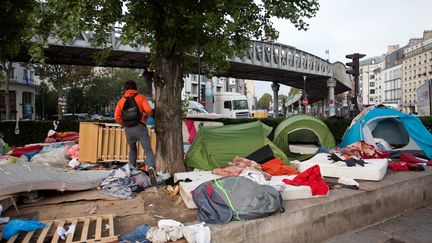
column 331, row 84
column 275, row 87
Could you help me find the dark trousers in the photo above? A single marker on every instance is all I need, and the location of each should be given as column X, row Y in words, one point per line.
column 140, row 133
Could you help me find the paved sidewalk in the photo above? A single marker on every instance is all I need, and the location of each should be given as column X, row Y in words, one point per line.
column 412, row 227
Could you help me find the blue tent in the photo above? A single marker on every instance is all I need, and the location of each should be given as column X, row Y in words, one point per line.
column 404, row 132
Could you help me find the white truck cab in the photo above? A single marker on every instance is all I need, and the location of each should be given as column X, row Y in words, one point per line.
column 231, row 105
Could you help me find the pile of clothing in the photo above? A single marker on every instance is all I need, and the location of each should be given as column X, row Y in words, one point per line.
column 169, row 230
column 123, row 182
column 409, row 162
column 363, row 150
column 54, row 136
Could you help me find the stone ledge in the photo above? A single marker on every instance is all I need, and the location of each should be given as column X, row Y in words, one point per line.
column 315, row 220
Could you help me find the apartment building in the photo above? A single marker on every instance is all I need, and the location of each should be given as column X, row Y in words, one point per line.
column 416, row 69
column 22, row 89
column 370, row 80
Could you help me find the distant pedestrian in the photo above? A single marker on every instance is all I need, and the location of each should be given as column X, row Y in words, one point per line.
column 132, row 112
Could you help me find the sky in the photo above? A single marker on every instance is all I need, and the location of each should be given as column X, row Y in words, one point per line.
column 348, row 26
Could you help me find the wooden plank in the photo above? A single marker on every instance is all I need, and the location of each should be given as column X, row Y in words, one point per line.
column 85, row 230
column 70, row 236
column 111, row 225
column 87, row 140
column 111, row 142
column 57, row 236
column 44, row 232
column 98, row 231
column 153, row 140
column 28, row 237
column 117, row 143
column 124, row 146
column 13, row 238
column 140, row 153
column 127, row 149
column 105, row 144
column 99, row 143
column 104, row 240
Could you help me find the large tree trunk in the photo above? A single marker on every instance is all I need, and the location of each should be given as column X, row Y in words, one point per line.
column 168, row 115
column 7, row 96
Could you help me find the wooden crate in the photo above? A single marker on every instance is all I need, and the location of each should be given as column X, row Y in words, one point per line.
column 104, row 142
column 83, row 231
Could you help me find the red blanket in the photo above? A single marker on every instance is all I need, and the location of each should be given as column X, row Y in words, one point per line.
column 312, row 178
column 17, row 152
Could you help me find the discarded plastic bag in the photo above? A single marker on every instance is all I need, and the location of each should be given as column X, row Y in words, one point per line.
column 56, row 158
column 14, row 226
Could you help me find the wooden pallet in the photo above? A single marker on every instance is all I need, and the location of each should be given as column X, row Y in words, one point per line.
column 81, row 233
column 105, row 142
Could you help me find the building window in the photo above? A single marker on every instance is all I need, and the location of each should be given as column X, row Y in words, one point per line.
column 12, row 100
column 25, row 75
column 27, row 105
column 12, row 73
column 32, row 76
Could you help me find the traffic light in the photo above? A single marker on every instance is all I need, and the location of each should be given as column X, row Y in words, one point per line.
column 355, row 64
column 202, row 101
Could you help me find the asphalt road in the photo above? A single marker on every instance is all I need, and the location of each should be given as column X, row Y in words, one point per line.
column 412, row 227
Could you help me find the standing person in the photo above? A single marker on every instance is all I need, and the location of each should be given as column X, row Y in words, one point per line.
column 131, row 112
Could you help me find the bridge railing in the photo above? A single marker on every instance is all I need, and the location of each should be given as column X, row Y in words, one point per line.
column 286, row 57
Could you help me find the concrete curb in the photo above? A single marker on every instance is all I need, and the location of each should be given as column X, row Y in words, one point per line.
column 315, row 220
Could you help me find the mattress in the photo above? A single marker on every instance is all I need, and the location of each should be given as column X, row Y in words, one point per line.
column 288, row 192
column 197, row 177
column 15, row 178
column 303, row 148
column 375, row 170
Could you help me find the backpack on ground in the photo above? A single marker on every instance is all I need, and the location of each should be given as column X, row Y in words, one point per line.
column 131, row 115
column 235, row 198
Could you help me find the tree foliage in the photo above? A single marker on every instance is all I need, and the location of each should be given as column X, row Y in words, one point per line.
column 264, row 101
column 106, row 88
column 293, row 91
column 65, row 78
column 177, row 32
column 282, row 97
column 17, row 19
column 46, row 101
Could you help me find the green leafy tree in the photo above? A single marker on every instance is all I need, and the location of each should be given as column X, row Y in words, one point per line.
column 46, row 101
column 177, row 32
column 293, row 91
column 264, row 101
column 106, row 87
column 282, row 97
column 75, row 102
column 16, row 22
column 63, row 78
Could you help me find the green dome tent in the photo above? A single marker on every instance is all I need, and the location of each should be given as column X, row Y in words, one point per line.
column 302, row 129
column 216, row 146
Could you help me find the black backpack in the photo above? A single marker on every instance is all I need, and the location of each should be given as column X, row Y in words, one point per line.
column 131, row 115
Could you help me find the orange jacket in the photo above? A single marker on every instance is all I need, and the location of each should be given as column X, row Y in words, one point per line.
column 141, row 101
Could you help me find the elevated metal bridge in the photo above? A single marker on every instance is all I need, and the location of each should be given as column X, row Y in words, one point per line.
column 265, row 61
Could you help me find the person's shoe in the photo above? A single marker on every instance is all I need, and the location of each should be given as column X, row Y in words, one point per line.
column 152, row 175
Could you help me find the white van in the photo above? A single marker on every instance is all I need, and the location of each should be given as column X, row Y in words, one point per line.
column 231, row 105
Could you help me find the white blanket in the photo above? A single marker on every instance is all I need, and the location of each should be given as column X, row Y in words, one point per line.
column 374, row 170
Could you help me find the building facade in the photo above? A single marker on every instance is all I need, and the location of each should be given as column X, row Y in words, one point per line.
column 250, row 94
column 370, row 80
column 392, row 81
column 22, row 90
column 194, row 84
column 416, row 69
